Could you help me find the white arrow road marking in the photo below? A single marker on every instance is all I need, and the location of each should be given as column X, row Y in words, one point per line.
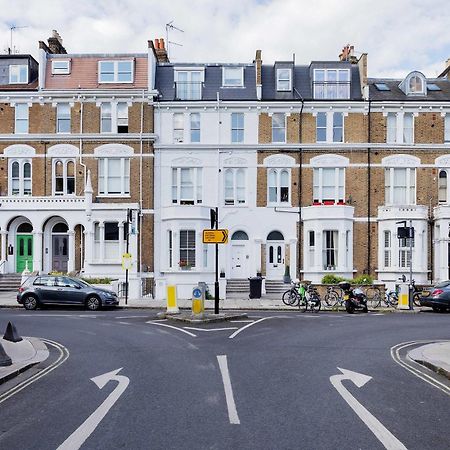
column 375, row 426
column 232, row 411
column 79, row 436
column 210, row 329
column 249, row 325
column 171, row 326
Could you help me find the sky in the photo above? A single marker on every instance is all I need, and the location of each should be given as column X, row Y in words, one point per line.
column 398, row 35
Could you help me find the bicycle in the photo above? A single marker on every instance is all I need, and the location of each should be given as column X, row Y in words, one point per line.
column 390, row 298
column 334, row 296
column 303, row 295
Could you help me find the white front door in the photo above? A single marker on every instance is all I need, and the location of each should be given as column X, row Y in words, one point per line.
column 239, row 261
column 275, row 260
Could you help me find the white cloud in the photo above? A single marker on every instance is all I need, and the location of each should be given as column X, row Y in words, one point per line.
column 399, row 35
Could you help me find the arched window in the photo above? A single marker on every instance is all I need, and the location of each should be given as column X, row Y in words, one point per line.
column 416, row 84
column 278, row 186
column 234, row 186
column 239, row 236
column 273, row 188
column 25, row 228
column 64, row 177
column 275, row 236
column 20, row 177
column 442, row 186
column 60, row 228
column 284, row 186
column 15, row 178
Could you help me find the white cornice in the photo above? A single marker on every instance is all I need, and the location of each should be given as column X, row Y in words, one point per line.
column 134, row 137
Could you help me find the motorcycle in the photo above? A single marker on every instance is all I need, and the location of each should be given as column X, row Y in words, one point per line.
column 354, row 298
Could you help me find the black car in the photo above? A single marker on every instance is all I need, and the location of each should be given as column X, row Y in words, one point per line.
column 437, row 297
column 60, row 290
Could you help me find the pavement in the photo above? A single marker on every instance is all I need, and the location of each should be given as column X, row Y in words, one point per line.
column 435, row 356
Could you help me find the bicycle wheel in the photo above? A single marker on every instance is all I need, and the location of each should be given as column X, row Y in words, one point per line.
column 331, row 298
column 302, row 304
column 289, row 297
column 315, row 304
column 392, row 299
column 376, row 300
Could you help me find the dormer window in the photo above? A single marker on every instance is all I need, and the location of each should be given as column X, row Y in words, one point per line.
column 414, row 84
column 331, row 83
column 115, row 71
column 233, row 77
column 284, row 80
column 18, row 74
column 61, row 67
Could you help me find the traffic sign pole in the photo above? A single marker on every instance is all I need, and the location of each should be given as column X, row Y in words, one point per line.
column 216, row 284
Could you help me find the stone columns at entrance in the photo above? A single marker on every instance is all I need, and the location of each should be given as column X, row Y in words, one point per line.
column 37, row 251
column 71, row 251
column 88, row 244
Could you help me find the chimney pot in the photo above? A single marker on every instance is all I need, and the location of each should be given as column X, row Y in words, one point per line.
column 162, row 43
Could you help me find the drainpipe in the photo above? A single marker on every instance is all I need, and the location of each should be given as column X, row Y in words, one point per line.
column 45, row 169
column 431, row 225
column 81, row 142
column 140, row 185
column 369, row 239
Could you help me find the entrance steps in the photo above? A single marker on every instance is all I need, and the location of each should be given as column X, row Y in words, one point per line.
column 237, row 286
column 274, row 288
column 10, row 282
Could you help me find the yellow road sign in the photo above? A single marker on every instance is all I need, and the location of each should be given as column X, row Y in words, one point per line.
column 127, row 261
column 215, row 236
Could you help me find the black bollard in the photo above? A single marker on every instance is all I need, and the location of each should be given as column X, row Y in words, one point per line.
column 5, row 360
column 11, row 333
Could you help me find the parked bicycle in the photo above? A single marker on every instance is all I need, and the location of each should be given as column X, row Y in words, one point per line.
column 303, row 295
column 334, row 297
column 389, row 298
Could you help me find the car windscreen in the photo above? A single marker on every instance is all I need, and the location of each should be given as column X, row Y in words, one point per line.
column 83, row 283
column 443, row 284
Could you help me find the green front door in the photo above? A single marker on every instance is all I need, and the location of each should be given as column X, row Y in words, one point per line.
column 24, row 252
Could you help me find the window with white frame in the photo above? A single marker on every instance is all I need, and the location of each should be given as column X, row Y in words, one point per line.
column 404, row 253
column 178, row 128
column 233, row 76
column 447, row 129
column 391, row 132
column 237, row 128
column 311, row 247
column 63, row 176
column 188, row 84
column 330, row 127
column 392, row 122
column 329, row 184
column 278, row 186
column 63, row 118
column 195, row 127
column 278, row 127
column 21, row 118
column 107, row 240
column 60, row 67
column 187, row 249
column 387, row 249
column 122, row 117
column 120, row 71
column 18, row 74
column 331, row 83
column 284, row 79
column 20, row 177
column 347, row 248
column 114, row 176
column 442, row 186
column 416, row 85
column 186, row 185
column 408, row 128
column 106, row 118
column 170, row 239
column 400, row 186
column 234, row 186
column 330, row 249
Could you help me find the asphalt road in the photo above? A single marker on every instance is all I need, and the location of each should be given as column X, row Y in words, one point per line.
column 270, row 388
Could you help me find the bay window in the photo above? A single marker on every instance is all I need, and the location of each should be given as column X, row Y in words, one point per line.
column 387, row 249
column 187, row 249
column 330, row 249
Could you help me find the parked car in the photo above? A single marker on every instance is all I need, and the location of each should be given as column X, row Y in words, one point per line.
column 438, row 297
column 59, row 290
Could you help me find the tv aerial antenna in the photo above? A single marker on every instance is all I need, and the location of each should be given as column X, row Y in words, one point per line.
column 11, row 29
column 171, row 27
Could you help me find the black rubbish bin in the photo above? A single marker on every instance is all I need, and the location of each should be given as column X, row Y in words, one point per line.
column 255, row 287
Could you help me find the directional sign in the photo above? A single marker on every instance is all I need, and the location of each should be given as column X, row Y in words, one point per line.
column 127, row 261
column 375, row 426
column 215, row 236
column 79, row 436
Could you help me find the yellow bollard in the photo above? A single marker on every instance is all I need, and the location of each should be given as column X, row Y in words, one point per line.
column 172, row 306
column 403, row 296
column 198, row 302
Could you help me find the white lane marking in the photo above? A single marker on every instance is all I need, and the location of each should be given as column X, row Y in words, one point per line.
column 48, row 315
column 251, row 324
column 232, row 411
column 79, row 436
column 125, row 323
column 88, row 332
column 241, row 321
column 87, row 316
column 159, row 320
column 210, row 329
column 375, row 426
column 128, row 317
column 63, row 355
column 395, row 354
column 170, row 326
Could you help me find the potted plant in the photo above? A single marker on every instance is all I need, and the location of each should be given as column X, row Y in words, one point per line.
column 184, row 265
column 258, row 273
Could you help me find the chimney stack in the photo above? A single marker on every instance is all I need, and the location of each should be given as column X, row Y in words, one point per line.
column 159, row 50
column 55, row 44
column 347, row 54
column 446, row 72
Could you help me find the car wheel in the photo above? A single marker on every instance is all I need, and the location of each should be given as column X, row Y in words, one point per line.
column 30, row 303
column 93, row 303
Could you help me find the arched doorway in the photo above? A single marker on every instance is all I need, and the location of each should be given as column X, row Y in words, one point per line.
column 60, row 247
column 275, row 255
column 24, row 247
column 240, row 257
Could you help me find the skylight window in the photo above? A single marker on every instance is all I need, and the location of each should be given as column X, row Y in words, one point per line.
column 433, row 87
column 382, row 86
